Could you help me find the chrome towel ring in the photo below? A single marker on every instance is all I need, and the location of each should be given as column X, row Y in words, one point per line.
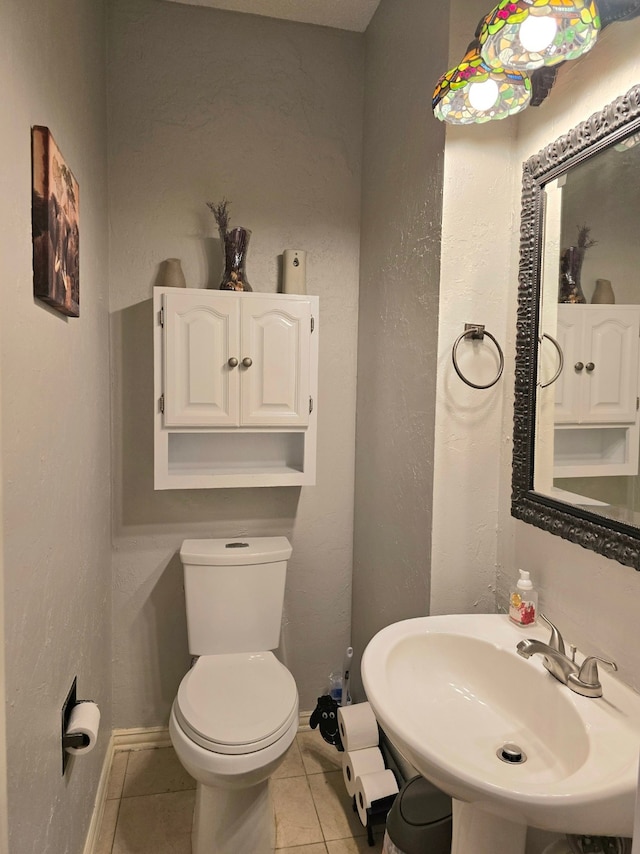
column 476, row 331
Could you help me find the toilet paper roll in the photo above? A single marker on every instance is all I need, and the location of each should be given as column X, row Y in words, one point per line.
column 371, row 788
column 357, row 763
column 84, row 720
column 358, row 727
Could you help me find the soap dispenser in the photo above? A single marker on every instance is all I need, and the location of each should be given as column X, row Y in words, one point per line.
column 523, row 601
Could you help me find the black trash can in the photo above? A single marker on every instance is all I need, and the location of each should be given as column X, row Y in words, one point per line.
column 419, row 822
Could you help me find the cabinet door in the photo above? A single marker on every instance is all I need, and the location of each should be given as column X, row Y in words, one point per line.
column 568, row 385
column 611, row 367
column 201, row 334
column 275, row 386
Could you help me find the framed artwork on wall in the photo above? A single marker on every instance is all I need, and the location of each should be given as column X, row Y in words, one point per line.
column 55, row 226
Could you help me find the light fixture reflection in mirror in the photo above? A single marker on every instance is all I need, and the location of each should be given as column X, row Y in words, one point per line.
column 576, row 464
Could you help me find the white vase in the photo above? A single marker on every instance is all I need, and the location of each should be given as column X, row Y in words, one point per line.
column 603, row 294
column 173, row 276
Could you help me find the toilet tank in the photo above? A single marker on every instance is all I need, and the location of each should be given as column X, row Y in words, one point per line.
column 234, row 592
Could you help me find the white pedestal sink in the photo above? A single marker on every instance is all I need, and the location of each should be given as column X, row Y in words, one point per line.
column 450, row 691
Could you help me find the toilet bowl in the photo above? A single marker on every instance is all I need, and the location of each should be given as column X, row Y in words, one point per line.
column 234, row 718
column 236, row 711
column 231, row 735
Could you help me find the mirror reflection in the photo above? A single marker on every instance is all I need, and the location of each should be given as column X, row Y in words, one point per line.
column 587, row 436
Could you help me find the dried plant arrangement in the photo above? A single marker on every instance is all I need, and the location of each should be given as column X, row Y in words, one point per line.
column 236, row 244
column 220, row 212
column 570, row 290
column 584, row 241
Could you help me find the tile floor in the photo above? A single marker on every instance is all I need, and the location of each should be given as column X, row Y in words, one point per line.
column 150, row 804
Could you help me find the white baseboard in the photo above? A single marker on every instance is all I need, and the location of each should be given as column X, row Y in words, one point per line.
column 303, row 721
column 93, row 833
column 141, row 738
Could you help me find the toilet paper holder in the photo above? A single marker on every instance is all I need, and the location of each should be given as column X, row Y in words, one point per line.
column 77, row 739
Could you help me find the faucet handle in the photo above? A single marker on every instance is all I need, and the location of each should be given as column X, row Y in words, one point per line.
column 589, row 670
column 555, row 641
column 587, row 680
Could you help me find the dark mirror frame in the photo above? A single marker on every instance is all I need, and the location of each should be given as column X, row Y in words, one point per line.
column 610, row 538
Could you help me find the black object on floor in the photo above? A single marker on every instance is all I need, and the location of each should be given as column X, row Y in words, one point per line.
column 420, row 819
column 325, row 715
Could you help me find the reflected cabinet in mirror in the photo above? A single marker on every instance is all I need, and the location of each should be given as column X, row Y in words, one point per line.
column 576, row 470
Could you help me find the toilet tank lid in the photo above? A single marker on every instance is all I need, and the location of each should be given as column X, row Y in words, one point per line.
column 235, row 552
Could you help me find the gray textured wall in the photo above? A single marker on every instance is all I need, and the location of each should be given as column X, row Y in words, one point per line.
column 55, row 428
column 205, row 104
column 406, row 50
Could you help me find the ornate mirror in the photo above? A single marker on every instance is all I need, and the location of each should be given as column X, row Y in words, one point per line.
column 576, row 460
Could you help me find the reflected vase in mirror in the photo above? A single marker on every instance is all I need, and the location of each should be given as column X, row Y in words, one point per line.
column 570, row 272
column 603, row 294
column 236, row 246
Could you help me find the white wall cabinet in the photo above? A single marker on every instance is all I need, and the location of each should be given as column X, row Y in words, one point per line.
column 596, row 396
column 236, row 388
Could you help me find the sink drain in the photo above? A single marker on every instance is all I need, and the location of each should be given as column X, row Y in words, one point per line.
column 511, row 753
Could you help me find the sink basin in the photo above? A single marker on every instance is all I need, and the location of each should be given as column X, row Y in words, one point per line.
column 450, row 691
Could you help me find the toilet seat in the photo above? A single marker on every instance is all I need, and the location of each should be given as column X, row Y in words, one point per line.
column 237, row 703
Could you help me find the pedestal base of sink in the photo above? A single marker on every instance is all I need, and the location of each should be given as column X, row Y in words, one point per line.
column 479, row 831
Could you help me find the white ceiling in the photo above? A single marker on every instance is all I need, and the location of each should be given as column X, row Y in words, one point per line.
column 343, row 14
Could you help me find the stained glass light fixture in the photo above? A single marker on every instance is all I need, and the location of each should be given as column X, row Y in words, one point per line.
column 527, row 34
column 474, row 93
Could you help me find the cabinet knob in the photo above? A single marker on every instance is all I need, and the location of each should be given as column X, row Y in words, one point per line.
column 590, row 366
column 247, row 362
column 233, row 362
column 579, row 366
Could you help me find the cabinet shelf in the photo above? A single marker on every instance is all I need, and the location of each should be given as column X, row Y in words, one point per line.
column 216, row 455
column 588, row 451
column 204, row 478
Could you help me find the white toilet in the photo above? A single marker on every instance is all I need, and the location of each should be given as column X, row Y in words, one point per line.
column 236, row 712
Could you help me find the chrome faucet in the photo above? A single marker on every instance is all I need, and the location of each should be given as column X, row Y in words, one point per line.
column 583, row 680
column 555, row 641
column 556, row 662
